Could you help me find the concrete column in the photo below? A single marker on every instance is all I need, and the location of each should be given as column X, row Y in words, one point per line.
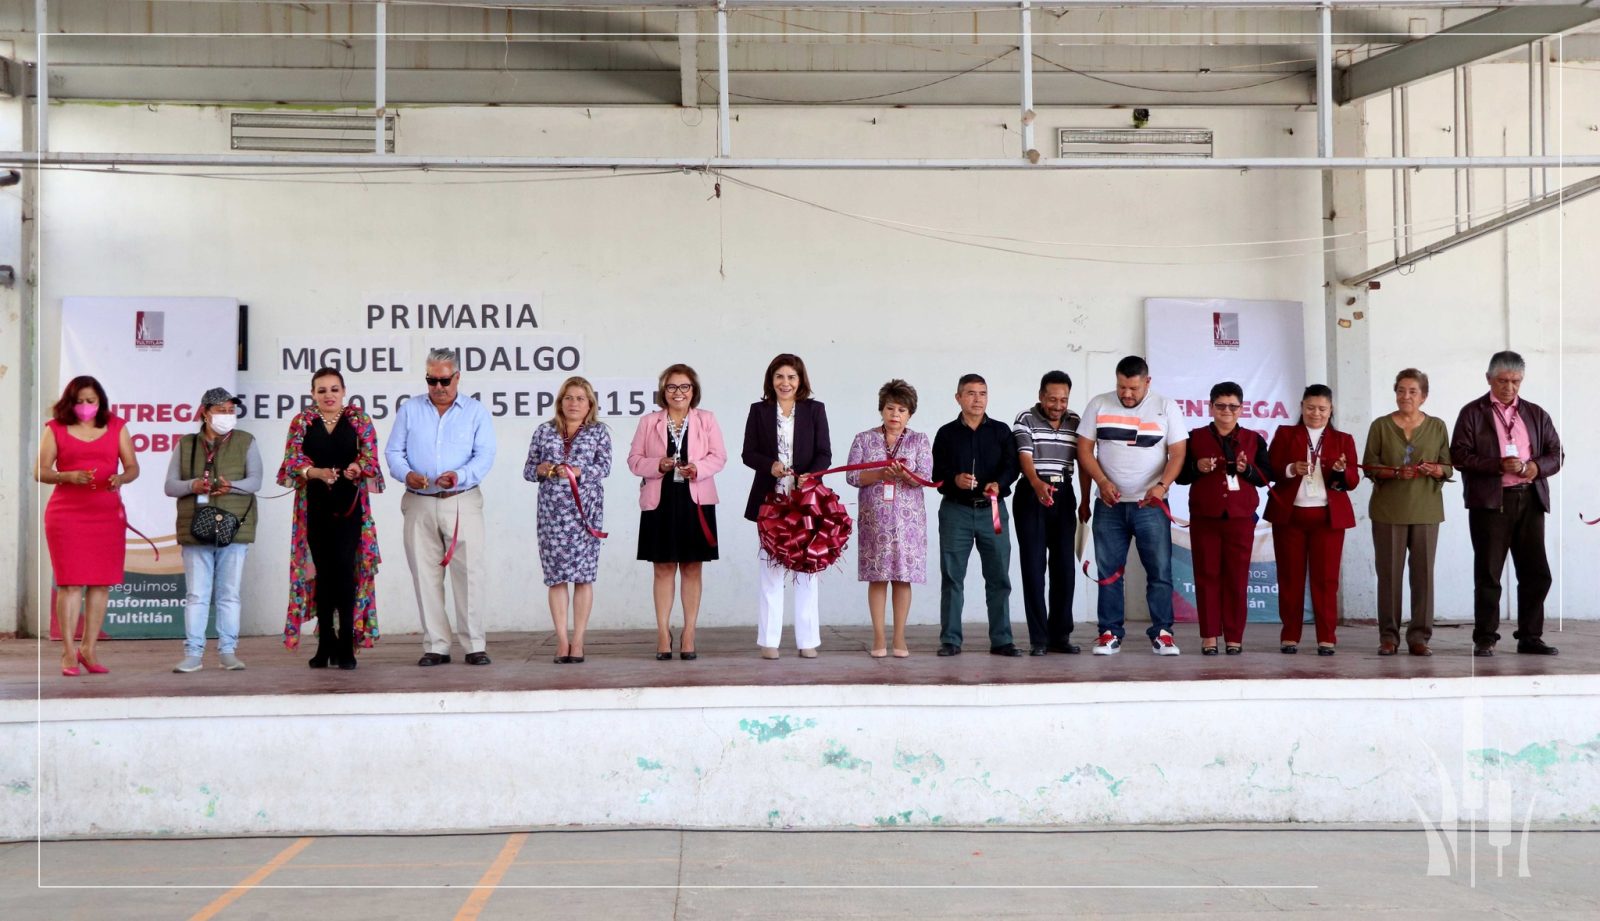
column 17, row 409
column 1348, row 335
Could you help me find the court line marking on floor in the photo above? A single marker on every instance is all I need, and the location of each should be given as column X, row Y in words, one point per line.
column 491, row 878
column 252, row 881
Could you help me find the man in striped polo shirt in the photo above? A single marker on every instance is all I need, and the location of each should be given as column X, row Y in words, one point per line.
column 1047, row 444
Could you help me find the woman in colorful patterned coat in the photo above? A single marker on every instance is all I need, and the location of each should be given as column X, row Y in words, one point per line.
column 331, row 462
column 569, row 540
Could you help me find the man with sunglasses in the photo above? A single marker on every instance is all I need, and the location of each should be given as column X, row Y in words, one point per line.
column 442, row 448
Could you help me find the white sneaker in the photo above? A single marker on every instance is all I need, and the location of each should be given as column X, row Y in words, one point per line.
column 189, row 664
column 1107, row 645
column 1163, row 645
column 230, row 662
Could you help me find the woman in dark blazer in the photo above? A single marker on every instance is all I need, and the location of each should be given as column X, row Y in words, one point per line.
column 785, row 437
column 1314, row 467
column 1222, row 467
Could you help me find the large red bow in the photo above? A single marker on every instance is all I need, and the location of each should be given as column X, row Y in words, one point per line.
column 806, row 529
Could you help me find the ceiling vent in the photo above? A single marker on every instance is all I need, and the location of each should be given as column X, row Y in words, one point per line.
column 286, row 131
column 1133, row 142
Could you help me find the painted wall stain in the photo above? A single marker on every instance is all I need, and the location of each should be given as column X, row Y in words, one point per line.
column 777, row 727
column 145, row 791
column 646, row 764
column 772, row 818
column 20, row 787
column 838, row 756
column 898, row 818
column 1539, row 758
column 919, row 766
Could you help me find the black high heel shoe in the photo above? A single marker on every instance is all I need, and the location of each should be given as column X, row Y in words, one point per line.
column 666, row 656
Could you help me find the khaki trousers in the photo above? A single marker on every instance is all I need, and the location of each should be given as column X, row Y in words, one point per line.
column 1392, row 543
column 429, row 522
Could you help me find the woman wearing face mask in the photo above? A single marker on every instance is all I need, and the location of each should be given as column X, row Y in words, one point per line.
column 892, row 525
column 80, row 451
column 574, row 442
column 1313, row 468
column 677, row 453
column 1408, row 459
column 331, row 462
column 785, row 438
column 217, row 468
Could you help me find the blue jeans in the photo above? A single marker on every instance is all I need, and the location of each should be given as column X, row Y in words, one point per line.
column 1114, row 527
column 212, row 572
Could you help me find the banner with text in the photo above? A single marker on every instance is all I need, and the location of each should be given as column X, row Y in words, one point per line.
column 155, row 356
column 1194, row 343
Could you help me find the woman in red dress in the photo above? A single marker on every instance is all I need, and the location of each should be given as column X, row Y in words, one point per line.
column 79, row 453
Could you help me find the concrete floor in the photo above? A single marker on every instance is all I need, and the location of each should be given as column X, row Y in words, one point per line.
column 1150, row 873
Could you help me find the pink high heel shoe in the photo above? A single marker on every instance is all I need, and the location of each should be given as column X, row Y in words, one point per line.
column 94, row 669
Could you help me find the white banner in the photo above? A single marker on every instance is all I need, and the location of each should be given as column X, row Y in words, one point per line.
column 1194, row 343
column 155, row 356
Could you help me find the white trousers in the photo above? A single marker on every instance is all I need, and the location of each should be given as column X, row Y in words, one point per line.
column 807, row 623
column 429, row 523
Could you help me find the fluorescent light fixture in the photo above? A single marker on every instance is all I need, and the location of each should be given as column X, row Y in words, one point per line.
column 274, row 131
column 1133, row 142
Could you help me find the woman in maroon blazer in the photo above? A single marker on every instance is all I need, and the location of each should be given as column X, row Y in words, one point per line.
column 1222, row 467
column 785, row 436
column 1313, row 469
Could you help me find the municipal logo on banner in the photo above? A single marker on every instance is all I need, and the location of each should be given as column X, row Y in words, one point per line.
column 1225, row 331
column 149, row 330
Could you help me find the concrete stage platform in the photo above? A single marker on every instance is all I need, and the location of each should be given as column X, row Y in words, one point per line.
column 731, row 740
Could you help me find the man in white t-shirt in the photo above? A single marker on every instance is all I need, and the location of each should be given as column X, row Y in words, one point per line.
column 1131, row 444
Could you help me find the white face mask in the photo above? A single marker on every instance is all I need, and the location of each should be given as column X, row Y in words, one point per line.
column 223, row 424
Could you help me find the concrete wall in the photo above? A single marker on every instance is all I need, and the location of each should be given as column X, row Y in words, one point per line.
column 656, row 269
column 1497, row 750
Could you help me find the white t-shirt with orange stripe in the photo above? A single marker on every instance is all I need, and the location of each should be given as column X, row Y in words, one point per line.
column 1131, row 442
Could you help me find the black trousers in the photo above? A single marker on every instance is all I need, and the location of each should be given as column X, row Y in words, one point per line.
column 1044, row 545
column 1516, row 527
column 335, row 544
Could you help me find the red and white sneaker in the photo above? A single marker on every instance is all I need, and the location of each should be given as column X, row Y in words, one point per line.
column 1163, row 645
column 1107, row 645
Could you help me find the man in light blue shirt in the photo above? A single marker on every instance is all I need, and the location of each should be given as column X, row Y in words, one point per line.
column 442, row 448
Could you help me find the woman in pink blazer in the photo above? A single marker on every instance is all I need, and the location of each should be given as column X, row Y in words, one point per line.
column 1313, row 469
column 677, row 453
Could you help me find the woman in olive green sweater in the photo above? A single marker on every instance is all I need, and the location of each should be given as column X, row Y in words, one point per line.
column 1408, row 460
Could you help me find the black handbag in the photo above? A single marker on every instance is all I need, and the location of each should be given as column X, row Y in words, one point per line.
column 214, row 526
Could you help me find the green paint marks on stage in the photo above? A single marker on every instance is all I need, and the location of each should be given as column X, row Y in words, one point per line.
column 211, row 808
column 145, row 791
column 772, row 818
column 777, row 727
column 1160, row 771
column 1113, row 784
column 919, row 766
column 1539, row 758
column 261, row 814
column 995, row 820
column 838, row 756
column 646, row 764
column 898, row 818
column 644, row 798
column 20, row 787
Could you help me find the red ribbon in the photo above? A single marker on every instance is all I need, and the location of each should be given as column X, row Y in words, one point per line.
column 877, row 465
column 1108, row 579
column 994, row 512
column 572, row 480
column 123, row 510
column 1165, row 510
column 455, row 533
column 806, row 529
column 1595, row 520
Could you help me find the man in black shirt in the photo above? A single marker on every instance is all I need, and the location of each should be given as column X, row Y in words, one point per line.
column 976, row 462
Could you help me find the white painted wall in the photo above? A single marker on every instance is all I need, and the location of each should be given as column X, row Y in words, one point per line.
column 1493, row 750
column 654, row 269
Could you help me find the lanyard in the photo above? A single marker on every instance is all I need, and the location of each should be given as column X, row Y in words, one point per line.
column 675, row 434
column 1314, row 452
column 1507, row 419
column 892, row 454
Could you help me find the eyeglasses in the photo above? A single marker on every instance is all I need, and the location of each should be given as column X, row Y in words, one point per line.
column 440, row 381
column 1226, row 407
column 678, row 388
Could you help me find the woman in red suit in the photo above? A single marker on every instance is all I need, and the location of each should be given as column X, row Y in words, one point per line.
column 1222, row 467
column 1314, row 467
column 80, row 452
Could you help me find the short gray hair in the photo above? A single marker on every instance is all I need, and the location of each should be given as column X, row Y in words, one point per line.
column 1507, row 361
column 444, row 356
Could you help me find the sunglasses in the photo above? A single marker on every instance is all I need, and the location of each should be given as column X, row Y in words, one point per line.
column 440, row 381
column 1226, row 407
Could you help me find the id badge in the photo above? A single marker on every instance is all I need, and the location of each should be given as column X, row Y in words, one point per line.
column 202, row 499
column 1314, row 485
column 888, row 492
column 677, row 475
column 1233, row 483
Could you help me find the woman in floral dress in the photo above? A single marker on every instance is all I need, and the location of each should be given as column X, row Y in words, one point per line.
column 569, row 541
column 892, row 525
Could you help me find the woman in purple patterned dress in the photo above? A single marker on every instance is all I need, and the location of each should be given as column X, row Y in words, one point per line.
column 574, row 440
column 892, row 524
